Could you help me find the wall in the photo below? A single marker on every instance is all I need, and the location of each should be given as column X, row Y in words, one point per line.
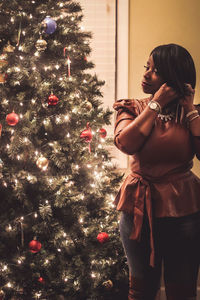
column 162, row 22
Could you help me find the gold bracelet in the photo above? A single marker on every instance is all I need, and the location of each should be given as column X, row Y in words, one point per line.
column 190, row 120
column 191, row 113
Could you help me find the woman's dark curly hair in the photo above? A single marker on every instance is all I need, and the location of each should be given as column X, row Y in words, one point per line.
column 175, row 66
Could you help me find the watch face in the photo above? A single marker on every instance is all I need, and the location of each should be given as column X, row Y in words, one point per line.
column 153, row 105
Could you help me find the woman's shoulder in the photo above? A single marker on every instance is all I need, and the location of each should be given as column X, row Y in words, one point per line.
column 132, row 105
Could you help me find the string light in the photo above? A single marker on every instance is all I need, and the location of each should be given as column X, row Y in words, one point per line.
column 9, row 284
column 20, row 48
column 9, row 227
column 5, row 268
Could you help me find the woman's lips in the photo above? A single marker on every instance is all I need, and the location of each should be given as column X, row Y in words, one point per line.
column 144, row 83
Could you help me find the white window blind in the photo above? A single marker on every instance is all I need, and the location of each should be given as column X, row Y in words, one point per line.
column 100, row 19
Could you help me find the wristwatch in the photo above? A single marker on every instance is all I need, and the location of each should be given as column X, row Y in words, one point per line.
column 154, row 105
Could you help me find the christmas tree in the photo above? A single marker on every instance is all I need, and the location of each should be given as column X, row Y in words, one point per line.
column 59, row 230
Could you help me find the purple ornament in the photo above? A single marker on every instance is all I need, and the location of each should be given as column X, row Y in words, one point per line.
column 50, row 25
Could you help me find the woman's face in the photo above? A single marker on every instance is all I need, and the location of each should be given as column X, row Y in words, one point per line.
column 151, row 81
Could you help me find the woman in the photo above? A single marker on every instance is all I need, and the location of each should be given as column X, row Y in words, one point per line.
column 160, row 199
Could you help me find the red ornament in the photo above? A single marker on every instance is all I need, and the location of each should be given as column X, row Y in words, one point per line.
column 87, row 134
column 41, row 280
column 102, row 237
column 52, row 100
column 35, row 246
column 102, row 133
column 12, row 119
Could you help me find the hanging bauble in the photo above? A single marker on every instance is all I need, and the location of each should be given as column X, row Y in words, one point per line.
column 3, row 62
column 12, row 119
column 41, row 280
column 108, row 284
column 102, row 237
column 49, row 25
column 1, row 163
column 87, row 134
column 87, row 105
column 8, row 48
column 41, row 45
column 52, row 100
column 42, row 163
column 2, row 295
column 102, row 133
column 35, row 246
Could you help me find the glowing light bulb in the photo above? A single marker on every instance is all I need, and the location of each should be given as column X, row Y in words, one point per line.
column 9, row 284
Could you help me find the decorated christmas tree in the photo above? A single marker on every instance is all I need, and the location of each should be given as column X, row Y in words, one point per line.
column 59, row 230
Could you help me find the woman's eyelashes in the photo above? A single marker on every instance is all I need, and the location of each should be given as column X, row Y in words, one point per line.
column 154, row 70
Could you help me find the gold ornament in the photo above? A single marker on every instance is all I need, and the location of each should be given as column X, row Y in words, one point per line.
column 87, row 105
column 3, row 62
column 42, row 163
column 2, row 294
column 8, row 48
column 108, row 284
column 41, row 44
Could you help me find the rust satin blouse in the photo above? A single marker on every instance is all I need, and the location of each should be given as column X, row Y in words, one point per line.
column 161, row 176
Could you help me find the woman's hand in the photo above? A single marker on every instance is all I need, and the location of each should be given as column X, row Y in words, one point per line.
column 165, row 95
column 187, row 101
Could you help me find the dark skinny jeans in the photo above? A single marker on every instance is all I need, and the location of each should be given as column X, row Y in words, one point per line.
column 177, row 247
